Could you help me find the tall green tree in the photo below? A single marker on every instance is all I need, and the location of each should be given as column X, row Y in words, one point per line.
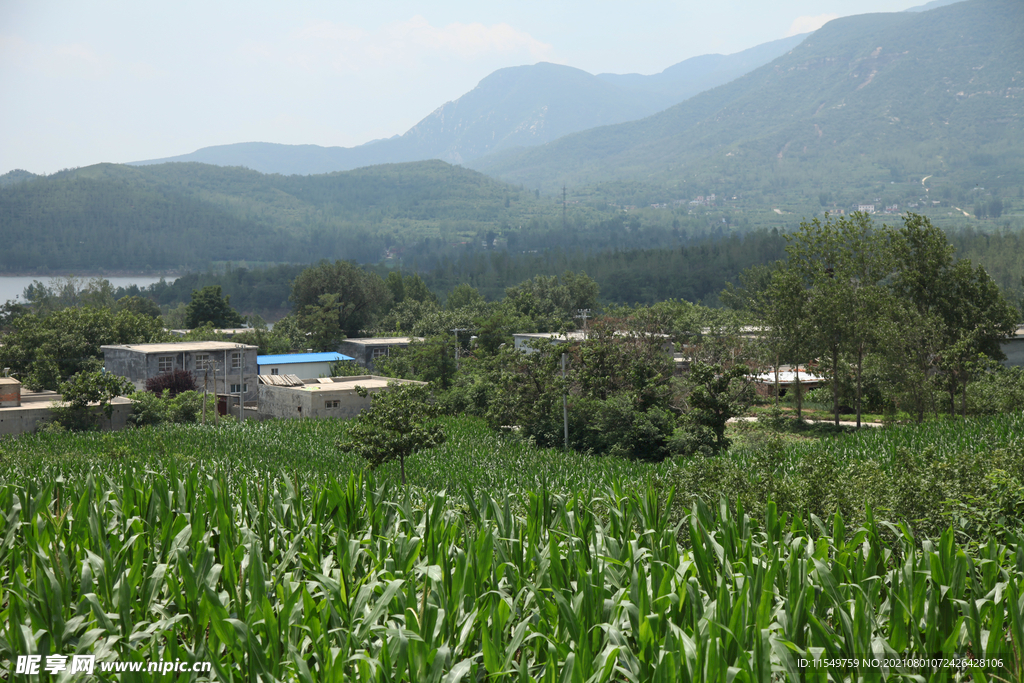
column 208, row 306
column 338, row 300
column 397, row 425
column 551, row 302
column 964, row 307
column 842, row 264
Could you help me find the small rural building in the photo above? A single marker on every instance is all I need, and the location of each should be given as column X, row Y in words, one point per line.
column 764, row 383
column 23, row 412
column 304, row 365
column 526, row 341
column 522, row 340
column 230, row 368
column 366, row 351
column 287, row 396
column 1013, row 349
column 226, row 331
column 10, row 392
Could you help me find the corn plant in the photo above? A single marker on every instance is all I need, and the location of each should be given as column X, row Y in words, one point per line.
column 277, row 575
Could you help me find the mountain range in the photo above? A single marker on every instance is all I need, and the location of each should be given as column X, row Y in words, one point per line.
column 919, row 111
column 863, row 103
column 513, row 107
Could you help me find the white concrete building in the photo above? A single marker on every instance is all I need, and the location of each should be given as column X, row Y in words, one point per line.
column 302, row 365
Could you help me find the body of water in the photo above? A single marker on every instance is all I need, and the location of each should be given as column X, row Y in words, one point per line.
column 13, row 287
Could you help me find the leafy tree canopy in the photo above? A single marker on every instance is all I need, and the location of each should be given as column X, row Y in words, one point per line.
column 44, row 351
column 396, row 426
column 82, row 390
column 208, row 306
column 337, row 300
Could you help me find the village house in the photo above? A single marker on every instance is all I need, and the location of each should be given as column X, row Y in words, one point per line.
column 304, row 365
column 223, row 367
column 287, row 396
column 366, row 351
column 1013, row 348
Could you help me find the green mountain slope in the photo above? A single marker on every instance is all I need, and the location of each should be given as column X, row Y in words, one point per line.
column 866, row 101
column 186, row 215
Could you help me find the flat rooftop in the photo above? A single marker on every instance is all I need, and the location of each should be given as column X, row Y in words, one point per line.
column 577, row 335
column 178, row 347
column 46, row 399
column 346, row 384
column 382, row 341
column 286, row 358
column 328, row 384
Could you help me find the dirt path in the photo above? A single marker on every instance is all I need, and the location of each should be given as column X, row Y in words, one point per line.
column 842, row 423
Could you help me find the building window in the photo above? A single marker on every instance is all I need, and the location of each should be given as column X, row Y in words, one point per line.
column 236, row 359
column 273, row 371
column 378, row 352
column 165, row 363
column 235, row 389
column 332, row 404
column 203, row 361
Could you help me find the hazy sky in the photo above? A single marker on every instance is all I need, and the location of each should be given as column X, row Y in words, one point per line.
column 89, row 81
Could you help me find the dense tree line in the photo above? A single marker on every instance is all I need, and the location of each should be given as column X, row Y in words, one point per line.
column 893, row 304
column 892, row 317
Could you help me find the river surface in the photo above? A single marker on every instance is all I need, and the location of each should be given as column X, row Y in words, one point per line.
column 13, row 287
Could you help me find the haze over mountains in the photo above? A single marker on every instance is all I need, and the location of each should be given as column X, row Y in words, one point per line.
column 864, row 102
column 513, row 107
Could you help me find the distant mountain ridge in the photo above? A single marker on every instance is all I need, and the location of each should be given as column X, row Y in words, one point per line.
column 513, row 107
column 866, row 101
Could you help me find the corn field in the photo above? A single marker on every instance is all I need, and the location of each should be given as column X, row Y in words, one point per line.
column 263, row 551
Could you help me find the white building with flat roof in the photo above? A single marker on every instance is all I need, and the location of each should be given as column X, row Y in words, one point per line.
column 287, row 396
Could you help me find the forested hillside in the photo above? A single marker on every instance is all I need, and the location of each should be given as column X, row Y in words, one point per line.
column 187, row 215
column 861, row 111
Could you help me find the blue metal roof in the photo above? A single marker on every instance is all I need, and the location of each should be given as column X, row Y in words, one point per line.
column 285, row 358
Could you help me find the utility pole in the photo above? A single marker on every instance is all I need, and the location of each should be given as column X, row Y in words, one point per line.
column 206, row 378
column 216, row 411
column 565, row 222
column 458, row 344
column 241, row 382
column 583, row 313
column 565, row 405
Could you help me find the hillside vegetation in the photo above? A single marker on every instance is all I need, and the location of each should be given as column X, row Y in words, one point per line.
column 179, row 215
column 865, row 107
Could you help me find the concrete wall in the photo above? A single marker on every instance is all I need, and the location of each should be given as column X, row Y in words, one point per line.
column 302, row 370
column 289, row 402
column 27, row 419
column 139, row 365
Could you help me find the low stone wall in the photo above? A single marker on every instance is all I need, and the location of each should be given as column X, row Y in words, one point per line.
column 28, row 419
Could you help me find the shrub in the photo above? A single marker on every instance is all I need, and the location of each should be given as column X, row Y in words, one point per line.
column 83, row 391
column 1001, row 391
column 147, row 409
column 187, row 407
column 175, row 381
column 150, row 409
